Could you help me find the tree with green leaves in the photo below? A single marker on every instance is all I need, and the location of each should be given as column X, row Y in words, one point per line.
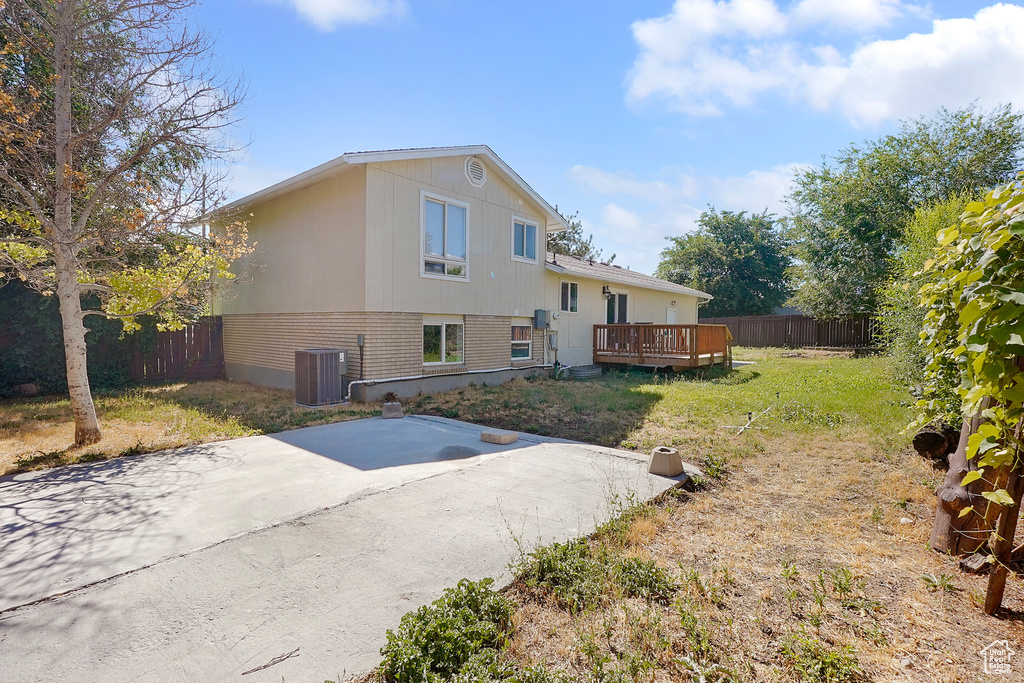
column 900, row 315
column 974, row 335
column 571, row 242
column 739, row 259
column 112, row 122
column 849, row 216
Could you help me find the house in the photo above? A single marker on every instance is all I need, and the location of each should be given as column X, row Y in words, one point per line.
column 429, row 266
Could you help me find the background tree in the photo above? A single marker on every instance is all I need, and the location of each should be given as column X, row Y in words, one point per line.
column 849, row 217
column 112, row 121
column 571, row 241
column 739, row 259
column 900, row 314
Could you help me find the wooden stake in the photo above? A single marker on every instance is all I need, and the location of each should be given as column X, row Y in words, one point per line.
column 1002, row 543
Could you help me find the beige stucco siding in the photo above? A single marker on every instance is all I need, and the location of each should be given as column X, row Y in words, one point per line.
column 497, row 285
column 576, row 330
column 309, row 244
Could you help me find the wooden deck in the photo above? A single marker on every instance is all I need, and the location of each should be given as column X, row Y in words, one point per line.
column 678, row 346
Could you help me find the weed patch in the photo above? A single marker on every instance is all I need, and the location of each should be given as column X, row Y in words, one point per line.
column 468, row 625
column 816, row 662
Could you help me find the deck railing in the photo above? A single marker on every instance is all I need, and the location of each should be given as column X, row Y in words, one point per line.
column 642, row 344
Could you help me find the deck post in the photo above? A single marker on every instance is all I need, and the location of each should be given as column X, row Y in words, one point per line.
column 694, row 346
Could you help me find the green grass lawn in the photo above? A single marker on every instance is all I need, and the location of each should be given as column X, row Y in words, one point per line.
column 634, row 409
column 639, row 409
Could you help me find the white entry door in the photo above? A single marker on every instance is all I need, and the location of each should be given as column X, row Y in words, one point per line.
column 670, row 316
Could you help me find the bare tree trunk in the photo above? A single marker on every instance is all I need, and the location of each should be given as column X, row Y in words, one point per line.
column 65, row 252
column 952, row 533
column 87, row 428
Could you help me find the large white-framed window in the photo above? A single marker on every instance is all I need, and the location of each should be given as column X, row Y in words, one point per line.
column 444, row 237
column 524, row 240
column 569, row 300
column 443, row 340
column 522, row 339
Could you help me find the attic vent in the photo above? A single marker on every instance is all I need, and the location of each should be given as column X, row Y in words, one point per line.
column 476, row 172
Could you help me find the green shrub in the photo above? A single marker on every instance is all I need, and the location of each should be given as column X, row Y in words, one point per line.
column 32, row 344
column 569, row 572
column 468, row 623
column 489, row 666
column 645, row 579
column 816, row 662
column 900, row 315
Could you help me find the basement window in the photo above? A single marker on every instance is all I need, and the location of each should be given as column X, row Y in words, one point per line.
column 442, row 343
column 444, row 237
column 522, row 338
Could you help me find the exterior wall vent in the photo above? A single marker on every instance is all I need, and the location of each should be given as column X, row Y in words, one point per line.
column 476, row 172
column 318, row 376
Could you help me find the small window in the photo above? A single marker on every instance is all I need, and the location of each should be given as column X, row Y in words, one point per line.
column 522, row 337
column 443, row 338
column 524, row 240
column 445, row 228
column 570, row 297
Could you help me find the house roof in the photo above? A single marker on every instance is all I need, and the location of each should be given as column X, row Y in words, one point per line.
column 595, row 270
column 555, row 222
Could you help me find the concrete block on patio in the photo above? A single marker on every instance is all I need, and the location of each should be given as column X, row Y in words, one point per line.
column 498, row 436
column 392, row 410
column 665, row 462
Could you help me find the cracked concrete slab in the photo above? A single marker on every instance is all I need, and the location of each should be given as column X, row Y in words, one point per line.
column 200, row 564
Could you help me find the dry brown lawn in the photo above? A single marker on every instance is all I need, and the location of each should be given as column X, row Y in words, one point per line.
column 39, row 432
column 768, row 547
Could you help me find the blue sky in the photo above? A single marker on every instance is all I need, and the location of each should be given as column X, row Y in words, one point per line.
column 636, row 114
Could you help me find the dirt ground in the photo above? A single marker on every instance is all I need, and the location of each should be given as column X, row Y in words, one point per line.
column 809, row 540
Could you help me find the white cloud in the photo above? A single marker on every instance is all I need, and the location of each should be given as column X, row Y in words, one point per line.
column 329, row 14
column 625, row 183
column 856, row 14
column 755, row 191
column 671, row 205
column 702, row 67
column 621, row 220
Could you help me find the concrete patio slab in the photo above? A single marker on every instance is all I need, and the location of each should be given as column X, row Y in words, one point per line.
column 325, row 554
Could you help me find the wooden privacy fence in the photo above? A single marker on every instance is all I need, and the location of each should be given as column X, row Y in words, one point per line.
column 193, row 352
column 798, row 330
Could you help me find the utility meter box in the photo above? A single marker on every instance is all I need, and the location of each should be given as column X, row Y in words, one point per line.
column 552, row 340
column 540, row 319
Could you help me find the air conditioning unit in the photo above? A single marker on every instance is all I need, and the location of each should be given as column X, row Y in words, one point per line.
column 319, row 376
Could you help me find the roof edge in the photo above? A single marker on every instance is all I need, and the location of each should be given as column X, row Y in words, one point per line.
column 668, row 287
column 555, row 222
column 296, row 182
